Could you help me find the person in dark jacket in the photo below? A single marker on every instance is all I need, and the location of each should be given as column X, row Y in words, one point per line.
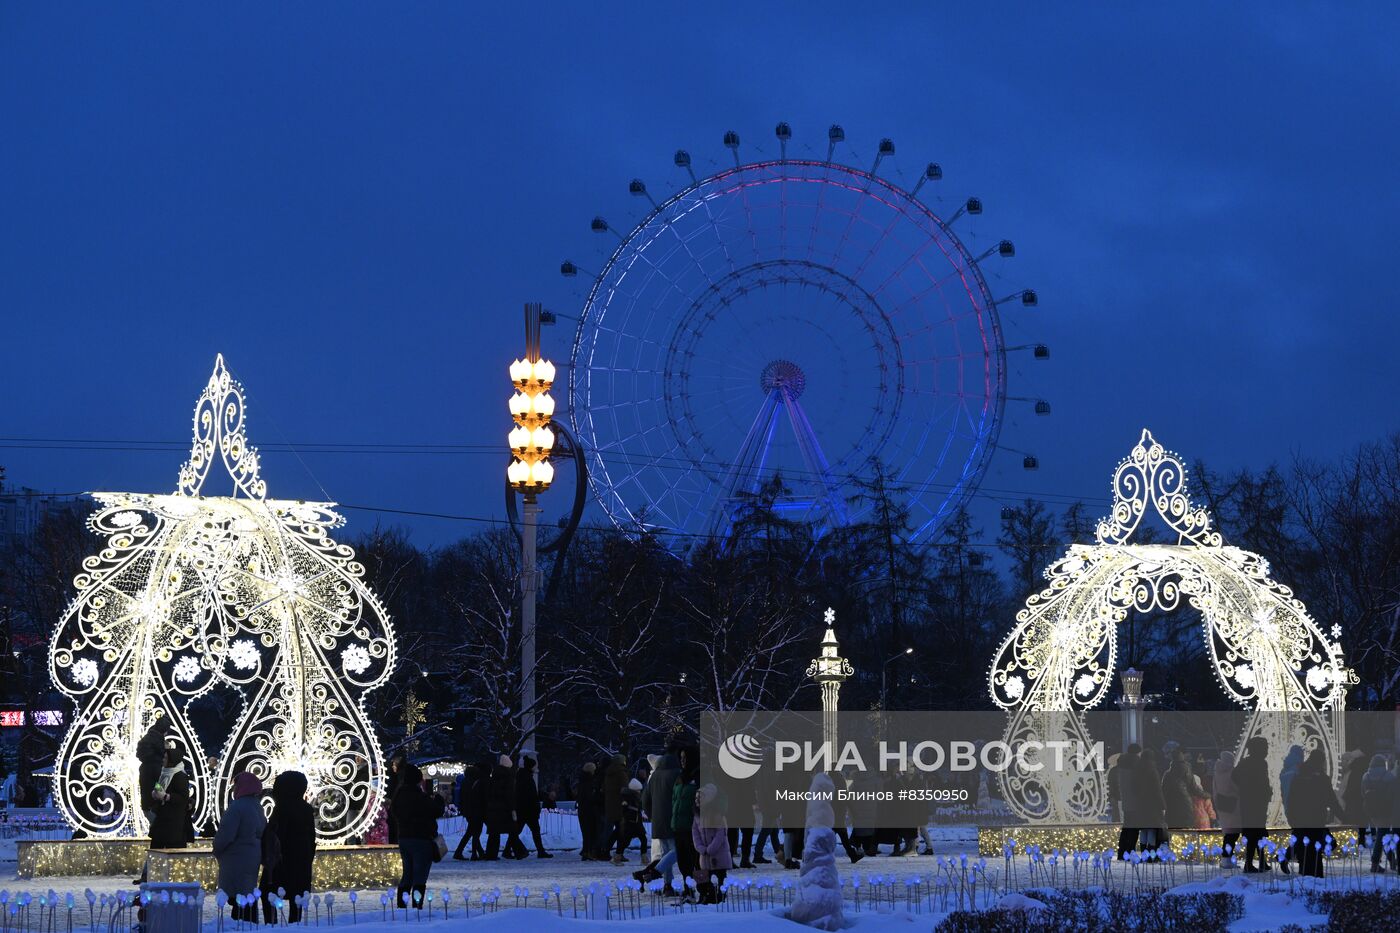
column 472, row 806
column 150, row 757
column 1115, row 799
column 170, row 795
column 1129, row 799
column 238, row 843
column 417, row 813
column 527, row 806
column 293, row 823
column 391, row 790
column 1256, row 793
column 1309, row 802
column 500, row 811
column 1154, row 806
column 614, row 780
column 1352, row 767
column 1378, row 790
column 1178, row 793
column 586, row 805
column 631, row 826
column 656, row 802
column 683, row 810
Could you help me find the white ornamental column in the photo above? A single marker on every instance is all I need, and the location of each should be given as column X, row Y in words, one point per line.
column 830, row 670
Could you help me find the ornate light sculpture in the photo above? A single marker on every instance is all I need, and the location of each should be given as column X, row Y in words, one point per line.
column 191, row 590
column 830, row 670
column 1267, row 651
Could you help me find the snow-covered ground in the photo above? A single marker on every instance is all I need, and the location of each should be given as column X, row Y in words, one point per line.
column 881, row 892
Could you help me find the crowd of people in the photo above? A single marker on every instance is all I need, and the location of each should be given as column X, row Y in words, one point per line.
column 1236, row 797
column 616, row 805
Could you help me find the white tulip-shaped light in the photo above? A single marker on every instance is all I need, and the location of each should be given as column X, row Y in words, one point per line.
column 541, row 473
column 537, row 375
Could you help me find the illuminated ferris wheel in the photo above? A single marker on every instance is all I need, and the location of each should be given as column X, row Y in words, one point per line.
column 789, row 318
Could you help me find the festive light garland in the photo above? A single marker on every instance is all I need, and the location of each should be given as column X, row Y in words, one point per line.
column 1099, row 837
column 335, row 868
column 1267, row 651
column 43, row 858
column 194, row 590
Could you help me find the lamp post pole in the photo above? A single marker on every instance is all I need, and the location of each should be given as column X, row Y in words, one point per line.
column 530, row 472
column 884, row 677
column 528, row 588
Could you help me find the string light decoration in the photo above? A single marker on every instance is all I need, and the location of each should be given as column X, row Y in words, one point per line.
column 193, row 590
column 992, row 840
column 334, row 868
column 1267, row 652
column 44, row 858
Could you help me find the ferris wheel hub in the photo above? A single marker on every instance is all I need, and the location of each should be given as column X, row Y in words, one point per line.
column 785, row 375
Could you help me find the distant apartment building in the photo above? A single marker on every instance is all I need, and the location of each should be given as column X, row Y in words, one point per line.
column 23, row 510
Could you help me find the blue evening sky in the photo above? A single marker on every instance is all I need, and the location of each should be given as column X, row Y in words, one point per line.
column 351, row 201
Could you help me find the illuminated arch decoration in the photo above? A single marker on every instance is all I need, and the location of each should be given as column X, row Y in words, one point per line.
column 1267, row 652
column 192, row 590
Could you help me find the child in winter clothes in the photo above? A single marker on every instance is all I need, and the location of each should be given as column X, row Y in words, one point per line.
column 711, row 845
column 631, row 826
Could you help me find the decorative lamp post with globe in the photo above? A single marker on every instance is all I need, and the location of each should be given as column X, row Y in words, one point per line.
column 830, row 670
column 530, row 473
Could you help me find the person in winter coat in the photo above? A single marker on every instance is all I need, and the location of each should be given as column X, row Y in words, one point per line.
column 527, row 806
column 1309, row 802
column 1227, row 803
column 683, row 810
column 472, row 806
column 391, row 790
column 417, row 813
column 632, row 826
column 293, row 823
column 710, row 836
column 614, row 780
column 238, row 844
column 656, row 802
column 1351, row 767
column 1129, row 799
column 1149, row 775
column 586, row 804
column 1256, row 793
column 170, row 795
column 500, row 811
column 1176, row 793
column 1115, row 797
column 150, row 757
column 1379, row 788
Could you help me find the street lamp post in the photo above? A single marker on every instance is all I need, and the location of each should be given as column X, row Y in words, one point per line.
column 830, row 670
column 884, row 676
column 530, row 472
column 1132, row 705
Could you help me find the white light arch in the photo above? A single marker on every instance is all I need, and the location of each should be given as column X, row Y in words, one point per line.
column 193, row 590
column 1267, row 652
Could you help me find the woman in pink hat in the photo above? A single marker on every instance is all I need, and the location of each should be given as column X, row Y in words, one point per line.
column 238, row 843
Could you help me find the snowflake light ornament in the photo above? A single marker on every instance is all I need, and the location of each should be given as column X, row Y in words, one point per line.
column 186, row 670
column 355, row 659
column 244, row 654
column 182, row 596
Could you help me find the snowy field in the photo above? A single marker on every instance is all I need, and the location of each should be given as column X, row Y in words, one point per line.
column 565, row 892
